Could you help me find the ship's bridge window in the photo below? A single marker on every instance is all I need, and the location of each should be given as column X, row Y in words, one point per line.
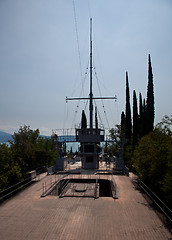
column 89, row 148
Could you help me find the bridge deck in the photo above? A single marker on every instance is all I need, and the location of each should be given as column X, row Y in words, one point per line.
column 27, row 216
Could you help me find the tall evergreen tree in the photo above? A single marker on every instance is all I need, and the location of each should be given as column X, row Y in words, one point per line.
column 144, row 117
column 128, row 125
column 123, row 120
column 140, row 106
column 122, row 133
column 83, row 120
column 135, row 119
column 150, row 112
column 141, row 120
column 96, row 119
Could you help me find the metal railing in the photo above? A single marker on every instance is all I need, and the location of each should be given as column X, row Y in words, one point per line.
column 4, row 194
column 63, row 185
column 48, row 186
column 156, row 200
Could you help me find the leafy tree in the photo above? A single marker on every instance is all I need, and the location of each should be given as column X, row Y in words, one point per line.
column 45, row 152
column 165, row 125
column 111, row 148
column 23, row 146
column 26, row 152
column 10, row 171
column 152, row 159
column 128, row 154
column 128, row 126
column 166, row 185
column 32, row 151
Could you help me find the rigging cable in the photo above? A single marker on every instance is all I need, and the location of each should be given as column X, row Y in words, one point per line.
column 101, row 122
column 102, row 82
column 102, row 99
column 78, row 46
column 80, row 65
column 78, row 104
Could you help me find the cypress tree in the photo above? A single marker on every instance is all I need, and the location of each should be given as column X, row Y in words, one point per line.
column 123, row 121
column 150, row 112
column 83, row 120
column 135, row 119
column 144, row 117
column 140, row 116
column 96, row 119
column 128, row 125
column 140, row 106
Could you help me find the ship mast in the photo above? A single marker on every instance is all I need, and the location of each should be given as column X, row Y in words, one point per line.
column 91, row 98
column 91, row 79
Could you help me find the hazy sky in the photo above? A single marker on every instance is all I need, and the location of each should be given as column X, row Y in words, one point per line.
column 40, row 63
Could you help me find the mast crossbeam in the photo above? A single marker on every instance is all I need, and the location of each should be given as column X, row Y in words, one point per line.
column 87, row 98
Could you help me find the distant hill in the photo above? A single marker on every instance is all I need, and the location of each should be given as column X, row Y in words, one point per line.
column 4, row 137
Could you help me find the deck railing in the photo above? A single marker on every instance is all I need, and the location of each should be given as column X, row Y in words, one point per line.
column 156, row 200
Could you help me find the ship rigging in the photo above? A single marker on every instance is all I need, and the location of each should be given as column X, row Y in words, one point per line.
column 90, row 137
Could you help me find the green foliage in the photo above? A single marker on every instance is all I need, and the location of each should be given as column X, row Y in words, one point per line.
column 10, row 172
column 128, row 153
column 23, row 147
column 26, row 152
column 152, row 160
column 111, row 148
column 45, row 152
column 32, row 151
column 166, row 185
column 165, row 126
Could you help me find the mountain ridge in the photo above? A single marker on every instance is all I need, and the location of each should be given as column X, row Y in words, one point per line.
column 5, row 137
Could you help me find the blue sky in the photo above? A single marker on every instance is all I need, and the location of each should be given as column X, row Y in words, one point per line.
column 40, row 63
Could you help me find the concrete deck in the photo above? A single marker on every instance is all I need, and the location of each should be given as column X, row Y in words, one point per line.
column 28, row 216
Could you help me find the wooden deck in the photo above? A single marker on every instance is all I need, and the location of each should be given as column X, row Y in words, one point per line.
column 28, row 216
